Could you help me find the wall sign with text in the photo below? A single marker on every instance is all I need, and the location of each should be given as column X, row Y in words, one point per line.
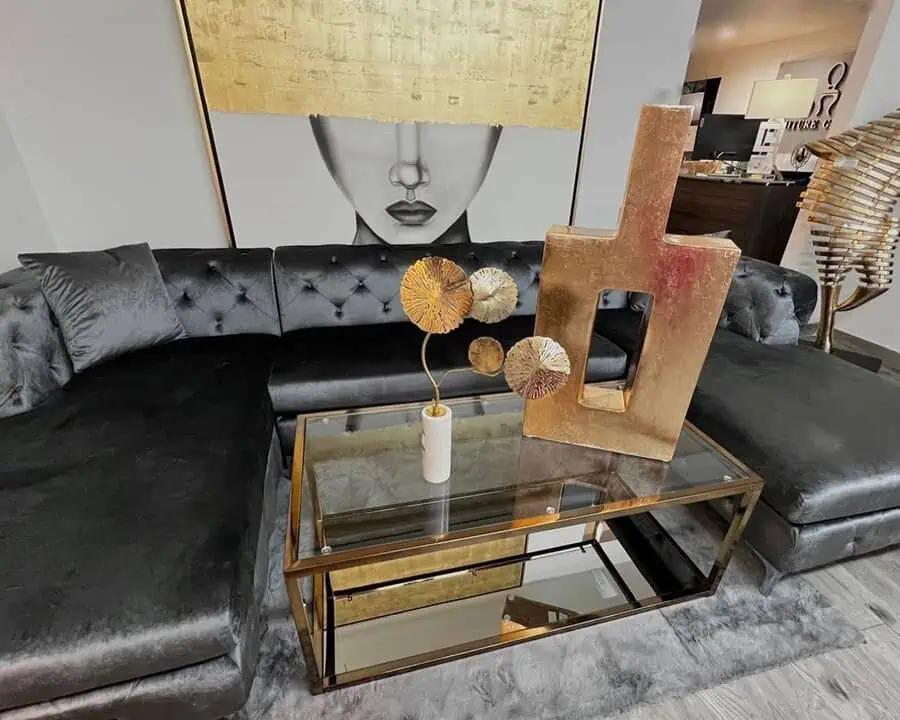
column 820, row 115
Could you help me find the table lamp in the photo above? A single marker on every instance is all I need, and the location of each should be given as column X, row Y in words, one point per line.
column 776, row 101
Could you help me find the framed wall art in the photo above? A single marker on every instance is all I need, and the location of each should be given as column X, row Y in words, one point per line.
column 388, row 121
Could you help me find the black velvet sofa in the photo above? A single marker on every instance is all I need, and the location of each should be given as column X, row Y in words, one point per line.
column 821, row 432
column 135, row 499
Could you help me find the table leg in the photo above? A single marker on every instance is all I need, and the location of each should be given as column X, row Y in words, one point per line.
column 743, row 509
column 309, row 630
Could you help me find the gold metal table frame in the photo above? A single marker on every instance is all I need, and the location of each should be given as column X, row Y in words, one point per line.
column 667, row 568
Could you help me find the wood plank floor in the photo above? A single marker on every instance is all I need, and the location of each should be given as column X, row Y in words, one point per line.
column 862, row 683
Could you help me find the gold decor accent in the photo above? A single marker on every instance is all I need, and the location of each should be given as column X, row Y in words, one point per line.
column 436, row 295
column 505, row 62
column 688, row 278
column 486, row 356
column 537, row 367
column 494, row 295
column 850, row 201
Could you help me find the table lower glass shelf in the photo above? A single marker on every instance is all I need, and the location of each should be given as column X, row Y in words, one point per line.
column 495, row 594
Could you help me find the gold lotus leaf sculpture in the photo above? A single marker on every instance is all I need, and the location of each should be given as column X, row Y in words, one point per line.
column 436, row 295
column 536, row 367
column 494, row 295
column 486, row 356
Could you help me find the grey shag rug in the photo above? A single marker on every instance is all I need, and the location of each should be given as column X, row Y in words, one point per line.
column 600, row 671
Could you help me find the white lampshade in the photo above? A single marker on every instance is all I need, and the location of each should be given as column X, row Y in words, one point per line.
column 785, row 99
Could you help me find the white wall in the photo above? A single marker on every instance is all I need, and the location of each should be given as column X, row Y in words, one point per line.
column 100, row 108
column 21, row 217
column 740, row 67
column 641, row 56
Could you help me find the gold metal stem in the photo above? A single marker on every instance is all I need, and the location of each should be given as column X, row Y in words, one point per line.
column 830, row 295
column 437, row 390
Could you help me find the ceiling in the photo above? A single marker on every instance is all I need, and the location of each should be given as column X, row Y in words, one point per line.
column 726, row 24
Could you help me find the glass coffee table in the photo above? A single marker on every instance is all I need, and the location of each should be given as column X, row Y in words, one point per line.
column 387, row 573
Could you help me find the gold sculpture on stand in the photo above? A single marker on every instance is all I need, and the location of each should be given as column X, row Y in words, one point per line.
column 537, row 367
column 688, row 278
column 850, row 201
column 494, row 295
column 437, row 296
column 486, row 356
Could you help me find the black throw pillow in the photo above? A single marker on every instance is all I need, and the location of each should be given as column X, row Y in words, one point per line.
column 107, row 302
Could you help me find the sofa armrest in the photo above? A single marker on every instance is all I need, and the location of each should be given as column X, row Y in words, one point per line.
column 768, row 303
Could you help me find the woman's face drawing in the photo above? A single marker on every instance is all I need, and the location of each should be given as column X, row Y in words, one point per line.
column 408, row 182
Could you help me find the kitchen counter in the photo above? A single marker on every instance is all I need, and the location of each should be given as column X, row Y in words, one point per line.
column 740, row 180
column 759, row 213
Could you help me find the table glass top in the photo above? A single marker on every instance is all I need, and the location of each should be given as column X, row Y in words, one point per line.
column 362, row 484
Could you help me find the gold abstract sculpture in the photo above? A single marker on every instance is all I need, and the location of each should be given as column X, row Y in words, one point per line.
column 486, row 356
column 494, row 295
column 537, row 367
column 851, row 200
column 688, row 278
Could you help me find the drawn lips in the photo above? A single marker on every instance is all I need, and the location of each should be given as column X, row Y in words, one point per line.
column 411, row 213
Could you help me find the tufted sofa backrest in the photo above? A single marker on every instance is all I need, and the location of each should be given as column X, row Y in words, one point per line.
column 221, row 292
column 227, row 292
column 341, row 285
column 768, row 303
column 33, row 358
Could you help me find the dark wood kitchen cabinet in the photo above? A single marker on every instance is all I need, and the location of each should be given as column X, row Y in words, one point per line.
column 760, row 214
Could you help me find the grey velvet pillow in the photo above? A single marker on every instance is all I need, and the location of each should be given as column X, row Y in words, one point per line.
column 106, row 303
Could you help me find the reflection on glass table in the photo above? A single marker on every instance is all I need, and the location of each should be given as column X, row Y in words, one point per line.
column 362, row 475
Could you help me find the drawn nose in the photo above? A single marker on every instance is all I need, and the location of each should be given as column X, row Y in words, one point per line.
column 409, row 171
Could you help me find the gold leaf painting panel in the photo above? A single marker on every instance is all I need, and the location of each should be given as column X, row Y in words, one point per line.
column 487, row 62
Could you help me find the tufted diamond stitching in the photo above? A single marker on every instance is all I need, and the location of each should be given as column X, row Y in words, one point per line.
column 219, row 292
column 33, row 359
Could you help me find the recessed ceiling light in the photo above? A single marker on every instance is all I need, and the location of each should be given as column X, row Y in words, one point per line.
column 726, row 32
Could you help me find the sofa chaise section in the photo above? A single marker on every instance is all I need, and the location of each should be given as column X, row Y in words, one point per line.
column 136, row 503
column 822, row 433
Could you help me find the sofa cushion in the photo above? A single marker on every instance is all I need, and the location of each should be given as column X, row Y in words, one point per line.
column 33, row 359
column 221, row 292
column 821, row 432
column 107, row 302
column 331, row 368
column 130, row 511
